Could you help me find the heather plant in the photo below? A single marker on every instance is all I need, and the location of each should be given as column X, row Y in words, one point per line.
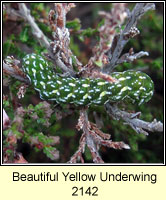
column 75, row 94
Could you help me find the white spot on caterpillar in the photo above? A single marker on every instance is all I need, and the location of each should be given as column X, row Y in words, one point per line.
column 119, row 85
column 117, row 97
column 27, row 69
column 81, row 92
column 142, row 100
column 61, row 88
column 42, row 83
column 142, row 77
column 89, row 97
column 106, row 101
column 59, row 82
column 52, row 85
column 85, row 96
column 69, row 95
column 101, row 83
column 49, row 77
column 34, row 70
column 82, row 100
column 27, row 62
column 40, row 58
column 45, row 93
column 91, row 91
column 142, row 88
column 151, row 92
column 72, row 84
column 98, row 102
column 122, row 79
column 97, row 90
column 111, row 87
column 103, row 94
column 53, row 99
column 124, row 89
column 74, row 96
column 32, row 56
column 54, row 91
column 34, row 63
column 129, row 88
column 41, row 73
column 80, row 103
column 49, row 82
column 41, row 66
column 85, row 85
column 75, row 91
column 128, row 77
column 67, row 90
column 62, row 100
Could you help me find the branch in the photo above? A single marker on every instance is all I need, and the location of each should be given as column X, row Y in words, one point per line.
column 93, row 138
column 131, row 119
column 10, row 68
column 78, row 154
column 85, row 126
column 60, row 46
column 25, row 13
column 130, row 57
column 107, row 31
column 127, row 33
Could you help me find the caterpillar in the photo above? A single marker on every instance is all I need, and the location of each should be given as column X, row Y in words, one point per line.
column 133, row 86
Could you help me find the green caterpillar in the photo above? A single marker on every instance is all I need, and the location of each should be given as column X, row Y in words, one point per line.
column 130, row 85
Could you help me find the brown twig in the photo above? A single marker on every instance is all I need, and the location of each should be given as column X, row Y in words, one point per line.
column 93, row 138
column 78, row 154
column 10, row 67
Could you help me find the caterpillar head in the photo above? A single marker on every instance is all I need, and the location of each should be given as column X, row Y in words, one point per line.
column 132, row 85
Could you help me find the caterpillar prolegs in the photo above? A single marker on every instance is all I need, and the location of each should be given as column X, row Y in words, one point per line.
column 130, row 85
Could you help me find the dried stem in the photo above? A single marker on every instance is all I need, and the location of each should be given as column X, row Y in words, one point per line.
column 25, row 13
column 129, row 31
column 131, row 119
column 93, row 138
column 107, row 32
column 78, row 154
column 11, row 68
column 54, row 54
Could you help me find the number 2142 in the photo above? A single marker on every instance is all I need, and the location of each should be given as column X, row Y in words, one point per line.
column 90, row 191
